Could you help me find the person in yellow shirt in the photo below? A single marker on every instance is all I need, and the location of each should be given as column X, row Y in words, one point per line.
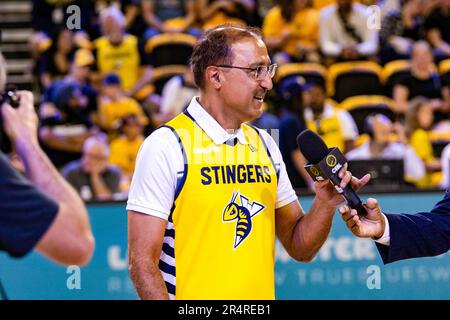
column 116, row 51
column 419, row 119
column 292, row 27
column 213, row 13
column 114, row 104
column 336, row 126
column 125, row 148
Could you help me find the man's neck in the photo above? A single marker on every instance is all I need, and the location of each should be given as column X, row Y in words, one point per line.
column 224, row 117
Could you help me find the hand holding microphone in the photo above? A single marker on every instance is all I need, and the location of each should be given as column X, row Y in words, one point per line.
column 326, row 164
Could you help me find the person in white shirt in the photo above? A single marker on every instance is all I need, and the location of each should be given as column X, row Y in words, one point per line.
column 380, row 128
column 345, row 33
column 445, row 160
column 177, row 94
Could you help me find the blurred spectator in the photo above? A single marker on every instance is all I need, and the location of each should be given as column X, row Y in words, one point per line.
column 121, row 53
column 291, row 124
column 423, row 80
column 385, row 6
column 92, row 176
column 388, row 6
column 438, row 31
column 263, row 6
column 80, row 68
column 213, row 13
column 445, row 160
column 319, row 4
column 163, row 16
column 344, row 32
column 114, row 104
column 65, row 123
column 79, row 74
column 419, row 120
column 400, row 29
column 335, row 126
column 255, row 13
column 124, row 148
column 380, row 129
column 51, row 15
column 132, row 9
column 176, row 96
column 55, row 62
column 267, row 120
column 292, row 27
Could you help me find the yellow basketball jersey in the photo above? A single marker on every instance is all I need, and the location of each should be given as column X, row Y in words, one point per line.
column 220, row 236
column 330, row 130
column 122, row 59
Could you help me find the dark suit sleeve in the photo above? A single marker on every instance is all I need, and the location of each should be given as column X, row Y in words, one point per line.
column 423, row 234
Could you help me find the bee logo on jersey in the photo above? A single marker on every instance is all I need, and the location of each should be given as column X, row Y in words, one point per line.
column 242, row 211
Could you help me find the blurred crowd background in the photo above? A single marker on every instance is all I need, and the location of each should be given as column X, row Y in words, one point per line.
column 374, row 82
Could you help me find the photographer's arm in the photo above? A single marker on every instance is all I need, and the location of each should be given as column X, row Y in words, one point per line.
column 69, row 239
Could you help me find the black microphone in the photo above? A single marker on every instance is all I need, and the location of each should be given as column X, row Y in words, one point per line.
column 326, row 163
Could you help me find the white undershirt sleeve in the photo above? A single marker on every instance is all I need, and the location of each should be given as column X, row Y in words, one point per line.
column 385, row 238
column 154, row 182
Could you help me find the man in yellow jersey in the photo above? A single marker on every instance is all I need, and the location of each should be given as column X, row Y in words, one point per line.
column 336, row 126
column 210, row 192
column 121, row 53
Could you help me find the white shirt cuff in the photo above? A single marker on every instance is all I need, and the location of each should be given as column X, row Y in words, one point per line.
column 148, row 211
column 385, row 238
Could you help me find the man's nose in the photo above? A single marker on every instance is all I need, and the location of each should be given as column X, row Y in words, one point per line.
column 267, row 83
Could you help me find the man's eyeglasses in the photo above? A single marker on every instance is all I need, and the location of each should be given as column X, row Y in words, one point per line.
column 260, row 72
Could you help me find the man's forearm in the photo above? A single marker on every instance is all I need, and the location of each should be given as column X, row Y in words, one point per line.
column 46, row 178
column 148, row 282
column 312, row 230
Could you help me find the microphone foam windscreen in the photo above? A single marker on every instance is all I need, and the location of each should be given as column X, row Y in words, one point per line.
column 312, row 146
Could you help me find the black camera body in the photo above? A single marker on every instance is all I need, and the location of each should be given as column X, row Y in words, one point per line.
column 10, row 97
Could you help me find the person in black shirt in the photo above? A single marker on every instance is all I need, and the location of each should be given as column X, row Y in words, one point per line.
column 399, row 30
column 55, row 62
column 423, row 80
column 438, row 31
column 291, row 124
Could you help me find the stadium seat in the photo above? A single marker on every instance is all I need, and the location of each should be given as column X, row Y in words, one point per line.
column 362, row 106
column 393, row 72
column 311, row 72
column 163, row 74
column 347, row 79
column 170, row 49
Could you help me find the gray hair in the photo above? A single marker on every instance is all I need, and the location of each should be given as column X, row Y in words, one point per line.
column 114, row 13
column 96, row 141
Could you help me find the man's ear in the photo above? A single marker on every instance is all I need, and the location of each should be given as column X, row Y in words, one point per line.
column 213, row 76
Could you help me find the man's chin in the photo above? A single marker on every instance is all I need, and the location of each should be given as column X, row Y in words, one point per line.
column 256, row 114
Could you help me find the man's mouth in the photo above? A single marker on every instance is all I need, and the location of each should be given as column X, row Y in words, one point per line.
column 259, row 98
